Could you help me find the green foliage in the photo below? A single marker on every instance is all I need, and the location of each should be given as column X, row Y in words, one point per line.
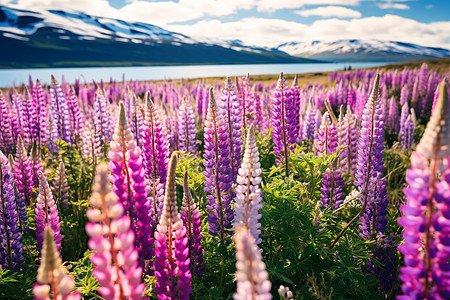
column 85, row 281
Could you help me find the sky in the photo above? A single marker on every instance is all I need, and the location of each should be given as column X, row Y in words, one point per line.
column 269, row 23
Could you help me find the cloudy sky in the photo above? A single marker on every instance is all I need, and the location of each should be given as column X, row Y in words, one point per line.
column 271, row 22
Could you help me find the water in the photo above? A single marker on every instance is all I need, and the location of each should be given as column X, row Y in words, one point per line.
column 15, row 77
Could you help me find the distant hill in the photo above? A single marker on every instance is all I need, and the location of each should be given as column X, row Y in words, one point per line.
column 362, row 51
column 56, row 38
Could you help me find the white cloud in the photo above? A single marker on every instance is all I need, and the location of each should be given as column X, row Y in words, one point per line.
column 157, row 13
column 218, row 7
column 393, row 6
column 271, row 5
column 94, row 7
column 272, row 32
column 330, row 11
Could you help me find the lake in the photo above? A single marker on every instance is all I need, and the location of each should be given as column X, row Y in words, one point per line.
column 15, row 77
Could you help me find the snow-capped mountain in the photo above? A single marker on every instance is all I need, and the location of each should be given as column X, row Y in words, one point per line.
column 358, row 50
column 72, row 38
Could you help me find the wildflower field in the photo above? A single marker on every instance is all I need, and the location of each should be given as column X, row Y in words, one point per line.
column 232, row 190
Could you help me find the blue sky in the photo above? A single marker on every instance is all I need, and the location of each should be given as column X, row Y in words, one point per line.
column 271, row 22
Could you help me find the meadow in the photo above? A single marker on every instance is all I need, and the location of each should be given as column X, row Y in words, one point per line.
column 319, row 186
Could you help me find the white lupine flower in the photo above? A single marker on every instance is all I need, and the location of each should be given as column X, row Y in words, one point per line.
column 251, row 275
column 248, row 193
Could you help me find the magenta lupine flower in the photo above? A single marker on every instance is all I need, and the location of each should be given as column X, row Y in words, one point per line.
column 112, row 239
column 173, row 278
column 10, row 235
column 200, row 98
column 186, row 128
column 75, row 117
column 36, row 163
column 40, row 107
column 29, row 117
column 52, row 275
column 282, row 116
column 61, row 186
column 369, row 173
column 231, row 112
column 218, row 176
column 251, row 275
column 22, row 122
column 156, row 155
column 248, row 194
column 60, row 114
column 348, row 136
column 294, row 128
column 46, row 213
column 426, row 216
column 6, row 136
column 260, row 120
column 404, row 95
column 191, row 220
column 392, row 116
column 23, row 171
column 129, row 182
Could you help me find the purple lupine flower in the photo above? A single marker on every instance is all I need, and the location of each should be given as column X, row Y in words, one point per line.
column 40, row 108
column 52, row 275
column 309, row 123
column 218, row 176
column 248, row 194
column 61, row 186
column 348, row 136
column 23, row 172
column 246, row 99
column 29, row 117
column 173, row 277
column 186, row 128
column 327, row 136
column 60, row 114
column 46, row 213
column 6, row 136
column 294, row 125
column 426, row 218
column 22, row 210
column 407, row 135
column 129, row 182
column 231, row 113
column 392, row 116
column 282, row 116
column 260, row 120
column 136, row 119
column 102, row 119
column 200, row 97
column 369, row 170
column 112, row 239
column 251, row 275
column 22, row 122
column 191, row 220
column 404, row 95
column 155, row 155
column 10, row 235
column 75, row 116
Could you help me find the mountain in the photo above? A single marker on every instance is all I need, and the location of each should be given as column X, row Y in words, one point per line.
column 55, row 38
column 358, row 50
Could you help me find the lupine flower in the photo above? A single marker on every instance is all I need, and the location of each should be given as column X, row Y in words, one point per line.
column 102, row 119
column 348, row 135
column 309, row 123
column 191, row 220
column 40, row 106
column 369, row 176
column 218, row 177
column 61, row 186
column 112, row 239
column 75, row 117
column 173, row 278
column 327, row 137
column 199, row 101
column 29, row 117
column 282, row 115
column 426, row 219
column 22, row 210
column 251, row 275
column 10, row 235
column 246, row 100
column 60, row 113
column 231, row 112
column 136, row 119
column 407, row 135
column 186, row 128
column 23, row 171
column 294, row 122
column 285, row 293
column 248, row 194
column 6, row 136
column 46, row 213
column 155, row 155
column 22, row 120
column 37, row 166
column 129, row 182
column 52, row 275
